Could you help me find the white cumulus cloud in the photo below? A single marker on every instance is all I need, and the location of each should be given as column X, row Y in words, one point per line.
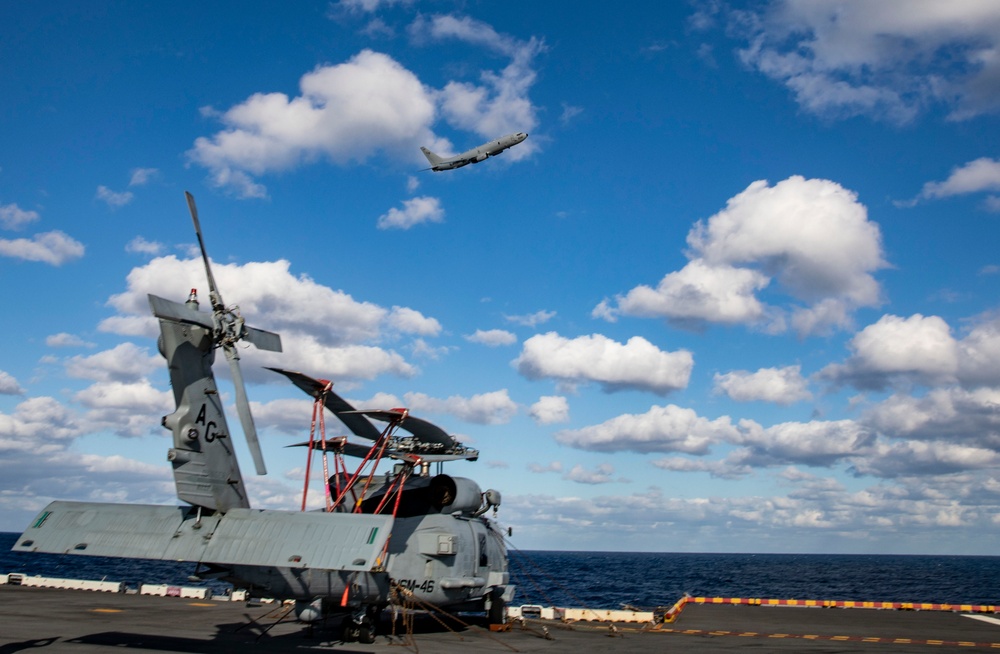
column 719, row 469
column 142, row 246
column 815, row 443
column 500, row 104
column 888, row 60
column 325, row 332
column 812, row 236
column 494, row 408
column 698, row 292
column 978, row 176
column 953, row 414
column 779, row 385
column 125, row 362
column 14, row 217
column 63, row 339
column 661, row 429
column 142, row 176
column 531, row 319
column 113, row 199
column 908, row 458
column 603, row 474
column 415, row 211
column 9, row 385
column 345, row 112
column 918, row 349
column 372, row 104
column 492, row 337
column 550, row 409
column 636, row 364
column 54, row 248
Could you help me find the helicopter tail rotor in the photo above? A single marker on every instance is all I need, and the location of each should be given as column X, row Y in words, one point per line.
column 228, row 328
column 243, row 408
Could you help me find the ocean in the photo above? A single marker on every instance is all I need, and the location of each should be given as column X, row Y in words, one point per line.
column 608, row 580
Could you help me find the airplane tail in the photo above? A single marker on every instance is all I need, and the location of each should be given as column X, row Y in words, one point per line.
column 431, row 157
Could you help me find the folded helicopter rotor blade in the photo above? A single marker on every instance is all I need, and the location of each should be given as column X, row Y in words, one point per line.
column 243, row 409
column 204, row 254
column 312, row 387
column 350, row 449
column 425, row 432
column 361, row 451
column 428, row 432
column 177, row 312
column 263, row 339
column 358, row 424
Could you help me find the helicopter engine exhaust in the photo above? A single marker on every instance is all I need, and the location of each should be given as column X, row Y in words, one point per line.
column 455, row 494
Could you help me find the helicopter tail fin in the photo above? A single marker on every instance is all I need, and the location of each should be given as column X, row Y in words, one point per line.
column 206, row 472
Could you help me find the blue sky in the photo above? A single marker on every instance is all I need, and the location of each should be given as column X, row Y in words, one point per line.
column 736, row 292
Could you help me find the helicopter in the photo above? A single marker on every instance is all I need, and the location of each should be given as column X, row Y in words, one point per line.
column 380, row 539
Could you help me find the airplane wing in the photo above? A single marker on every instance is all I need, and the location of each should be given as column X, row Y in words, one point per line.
column 482, row 156
column 329, row 541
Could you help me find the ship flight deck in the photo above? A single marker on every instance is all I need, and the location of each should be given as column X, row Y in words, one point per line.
column 56, row 620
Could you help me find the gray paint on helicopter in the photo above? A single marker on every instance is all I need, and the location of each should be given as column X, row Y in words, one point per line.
column 440, row 547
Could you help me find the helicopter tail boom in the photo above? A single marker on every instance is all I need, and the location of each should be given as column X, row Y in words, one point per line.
column 285, row 539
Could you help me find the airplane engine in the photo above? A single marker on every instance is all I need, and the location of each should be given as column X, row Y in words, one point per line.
column 480, row 157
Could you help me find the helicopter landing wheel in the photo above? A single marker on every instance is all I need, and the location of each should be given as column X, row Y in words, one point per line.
column 363, row 629
column 366, row 631
column 351, row 631
column 497, row 613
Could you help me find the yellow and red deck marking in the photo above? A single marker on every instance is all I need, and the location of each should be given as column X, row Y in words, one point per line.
column 848, row 604
column 858, row 639
column 675, row 610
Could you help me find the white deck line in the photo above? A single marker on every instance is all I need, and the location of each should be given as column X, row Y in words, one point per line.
column 982, row 618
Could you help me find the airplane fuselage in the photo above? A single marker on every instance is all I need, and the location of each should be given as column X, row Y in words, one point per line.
column 475, row 155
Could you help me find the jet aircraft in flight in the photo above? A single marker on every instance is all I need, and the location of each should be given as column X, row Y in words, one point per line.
column 475, row 155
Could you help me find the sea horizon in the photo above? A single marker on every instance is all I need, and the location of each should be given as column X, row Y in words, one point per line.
column 611, row 579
